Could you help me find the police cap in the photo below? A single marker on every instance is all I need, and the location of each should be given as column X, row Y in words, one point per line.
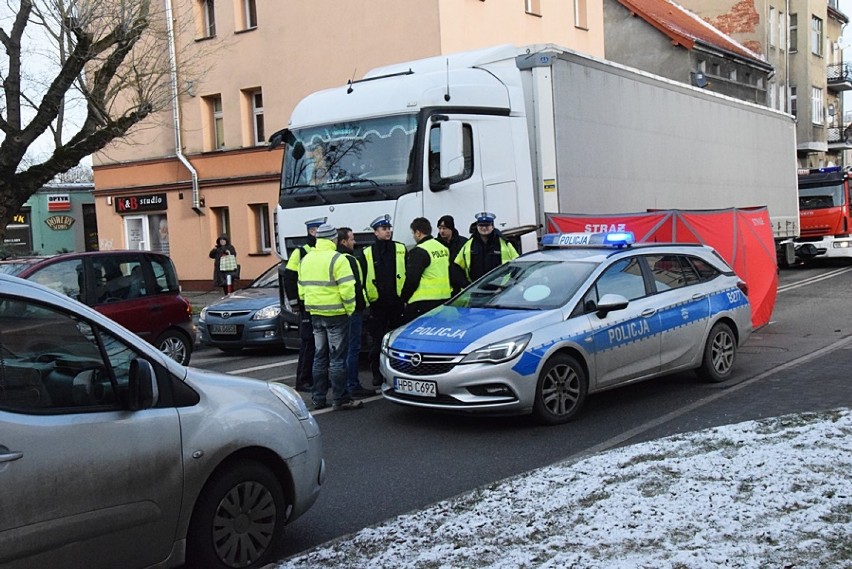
column 381, row 221
column 485, row 217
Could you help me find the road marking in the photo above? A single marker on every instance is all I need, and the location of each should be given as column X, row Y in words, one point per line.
column 262, row 367
column 813, row 280
column 623, row 437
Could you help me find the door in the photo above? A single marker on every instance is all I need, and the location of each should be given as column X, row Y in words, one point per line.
column 81, row 476
column 136, row 233
column 626, row 342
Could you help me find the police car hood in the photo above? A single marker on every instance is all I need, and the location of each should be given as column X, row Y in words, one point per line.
column 452, row 330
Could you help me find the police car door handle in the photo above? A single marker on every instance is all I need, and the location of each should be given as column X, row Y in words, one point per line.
column 649, row 312
column 10, row 456
column 698, row 296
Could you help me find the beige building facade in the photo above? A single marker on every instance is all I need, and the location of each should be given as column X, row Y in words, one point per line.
column 202, row 169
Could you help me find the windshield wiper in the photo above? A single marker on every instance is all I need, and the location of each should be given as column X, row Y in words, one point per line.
column 302, row 197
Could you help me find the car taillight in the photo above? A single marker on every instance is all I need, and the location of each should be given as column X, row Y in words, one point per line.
column 188, row 306
column 743, row 287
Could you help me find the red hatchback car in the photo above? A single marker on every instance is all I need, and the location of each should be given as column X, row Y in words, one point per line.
column 137, row 289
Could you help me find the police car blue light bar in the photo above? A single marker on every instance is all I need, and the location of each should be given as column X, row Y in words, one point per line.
column 613, row 239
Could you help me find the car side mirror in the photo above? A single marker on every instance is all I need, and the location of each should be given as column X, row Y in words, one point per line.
column 143, row 392
column 610, row 302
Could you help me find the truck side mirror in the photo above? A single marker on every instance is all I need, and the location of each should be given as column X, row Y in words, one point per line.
column 452, row 149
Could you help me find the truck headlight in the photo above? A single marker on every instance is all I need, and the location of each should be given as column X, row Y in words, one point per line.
column 499, row 352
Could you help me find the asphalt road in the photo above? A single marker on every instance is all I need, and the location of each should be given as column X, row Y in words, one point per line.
column 385, row 460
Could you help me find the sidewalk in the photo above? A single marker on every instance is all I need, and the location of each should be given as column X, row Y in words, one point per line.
column 201, row 298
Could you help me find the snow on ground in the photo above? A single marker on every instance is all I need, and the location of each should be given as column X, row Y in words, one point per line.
column 774, row 493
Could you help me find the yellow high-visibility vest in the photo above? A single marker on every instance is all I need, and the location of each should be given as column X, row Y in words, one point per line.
column 326, row 282
column 435, row 281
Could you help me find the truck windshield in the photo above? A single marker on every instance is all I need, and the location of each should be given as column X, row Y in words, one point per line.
column 819, row 197
column 370, row 153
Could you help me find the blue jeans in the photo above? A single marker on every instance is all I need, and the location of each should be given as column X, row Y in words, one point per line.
column 331, row 337
column 355, row 323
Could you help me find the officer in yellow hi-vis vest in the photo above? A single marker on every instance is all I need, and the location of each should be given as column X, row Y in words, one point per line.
column 384, row 270
column 427, row 272
column 485, row 250
column 289, row 277
column 327, row 290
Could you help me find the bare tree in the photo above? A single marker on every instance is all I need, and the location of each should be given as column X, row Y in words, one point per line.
column 109, row 57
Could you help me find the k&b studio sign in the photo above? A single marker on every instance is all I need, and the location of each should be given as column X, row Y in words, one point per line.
column 133, row 204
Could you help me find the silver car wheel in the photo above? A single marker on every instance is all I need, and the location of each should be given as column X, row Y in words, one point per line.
column 561, row 390
column 175, row 346
column 720, row 353
column 244, row 524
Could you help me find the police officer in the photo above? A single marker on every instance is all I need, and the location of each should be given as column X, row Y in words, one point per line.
column 427, row 272
column 346, row 246
column 289, row 280
column 449, row 237
column 485, row 250
column 384, row 270
column 327, row 288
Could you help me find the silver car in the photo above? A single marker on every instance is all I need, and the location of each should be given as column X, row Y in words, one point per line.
column 114, row 455
column 538, row 334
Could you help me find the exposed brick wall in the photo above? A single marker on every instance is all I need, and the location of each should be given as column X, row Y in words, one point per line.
column 742, row 18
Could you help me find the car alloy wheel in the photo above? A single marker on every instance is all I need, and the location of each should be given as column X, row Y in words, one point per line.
column 560, row 391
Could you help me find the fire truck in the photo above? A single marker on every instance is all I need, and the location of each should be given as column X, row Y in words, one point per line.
column 825, row 219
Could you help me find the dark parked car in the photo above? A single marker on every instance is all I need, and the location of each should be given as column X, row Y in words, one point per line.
column 248, row 318
column 137, row 289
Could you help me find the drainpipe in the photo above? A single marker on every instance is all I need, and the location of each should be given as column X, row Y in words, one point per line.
column 196, row 198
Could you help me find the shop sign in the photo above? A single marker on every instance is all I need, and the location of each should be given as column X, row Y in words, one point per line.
column 59, row 222
column 133, row 204
column 58, row 202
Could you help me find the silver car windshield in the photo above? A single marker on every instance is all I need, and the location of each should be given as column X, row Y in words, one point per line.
column 367, row 153
column 532, row 285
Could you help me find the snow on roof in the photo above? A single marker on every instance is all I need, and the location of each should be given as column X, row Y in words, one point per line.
column 686, row 27
column 768, row 493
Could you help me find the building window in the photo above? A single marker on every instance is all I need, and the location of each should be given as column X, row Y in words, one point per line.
column 217, row 121
column 257, row 117
column 581, row 17
column 772, row 23
column 260, row 212
column 223, row 221
column 781, row 27
column 732, row 75
column 794, row 33
column 209, row 13
column 793, row 108
column 816, row 36
column 816, row 105
column 250, row 13
column 533, row 7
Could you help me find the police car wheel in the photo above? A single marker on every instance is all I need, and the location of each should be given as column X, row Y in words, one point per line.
column 561, row 390
column 720, row 353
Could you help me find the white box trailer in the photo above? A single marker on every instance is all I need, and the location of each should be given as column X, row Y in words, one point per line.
column 521, row 132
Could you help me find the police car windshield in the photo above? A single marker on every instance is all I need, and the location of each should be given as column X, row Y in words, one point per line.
column 526, row 285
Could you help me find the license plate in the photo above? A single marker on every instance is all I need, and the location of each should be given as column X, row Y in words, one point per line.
column 414, row 387
column 223, row 329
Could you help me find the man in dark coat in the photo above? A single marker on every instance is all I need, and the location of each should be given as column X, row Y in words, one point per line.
column 449, row 237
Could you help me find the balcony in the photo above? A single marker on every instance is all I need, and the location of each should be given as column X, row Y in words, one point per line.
column 839, row 138
column 839, row 77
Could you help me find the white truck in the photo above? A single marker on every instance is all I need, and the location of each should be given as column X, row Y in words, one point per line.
column 524, row 131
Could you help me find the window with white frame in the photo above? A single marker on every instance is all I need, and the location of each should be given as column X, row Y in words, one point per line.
column 218, row 121
column 781, row 27
column 816, row 106
column 222, row 218
column 794, row 33
column 250, row 13
column 816, row 36
column 260, row 212
column 209, row 13
column 581, row 16
column 772, row 23
column 794, row 110
column 257, row 117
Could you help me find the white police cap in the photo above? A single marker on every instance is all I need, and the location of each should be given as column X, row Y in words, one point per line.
column 485, row 217
column 315, row 222
column 381, row 221
column 326, row 231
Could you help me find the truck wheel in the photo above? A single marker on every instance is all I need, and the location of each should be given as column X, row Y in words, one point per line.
column 238, row 520
column 175, row 345
column 561, row 390
column 720, row 352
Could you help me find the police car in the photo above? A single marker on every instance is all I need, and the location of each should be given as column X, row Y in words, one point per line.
column 586, row 313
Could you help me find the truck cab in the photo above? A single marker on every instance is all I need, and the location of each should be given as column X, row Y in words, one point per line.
column 824, row 213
